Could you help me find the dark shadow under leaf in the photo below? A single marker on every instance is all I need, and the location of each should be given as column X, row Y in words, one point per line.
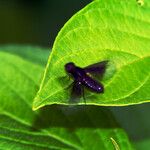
column 73, row 117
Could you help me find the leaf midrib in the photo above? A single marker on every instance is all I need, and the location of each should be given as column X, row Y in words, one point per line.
column 25, row 142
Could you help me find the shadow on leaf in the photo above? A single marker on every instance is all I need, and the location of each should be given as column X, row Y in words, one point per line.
column 73, row 117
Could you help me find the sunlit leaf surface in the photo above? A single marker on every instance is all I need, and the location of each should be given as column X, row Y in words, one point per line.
column 114, row 30
column 54, row 127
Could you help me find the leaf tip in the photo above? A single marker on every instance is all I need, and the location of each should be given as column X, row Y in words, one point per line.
column 35, row 105
column 34, row 108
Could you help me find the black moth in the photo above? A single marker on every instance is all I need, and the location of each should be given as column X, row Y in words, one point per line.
column 82, row 78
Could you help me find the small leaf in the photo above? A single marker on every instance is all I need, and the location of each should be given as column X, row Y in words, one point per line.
column 112, row 30
column 54, row 127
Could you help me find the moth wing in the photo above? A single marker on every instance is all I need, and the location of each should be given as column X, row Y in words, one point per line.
column 97, row 68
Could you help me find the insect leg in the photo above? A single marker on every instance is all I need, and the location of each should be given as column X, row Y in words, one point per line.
column 69, row 86
column 76, row 92
column 97, row 69
column 69, row 76
column 83, row 95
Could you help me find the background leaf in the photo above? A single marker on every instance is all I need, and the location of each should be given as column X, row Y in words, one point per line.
column 112, row 30
column 142, row 144
column 33, row 54
column 135, row 121
column 53, row 127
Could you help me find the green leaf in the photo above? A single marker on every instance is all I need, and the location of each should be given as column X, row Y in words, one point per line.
column 54, row 127
column 114, row 30
column 142, row 145
column 32, row 53
column 135, row 120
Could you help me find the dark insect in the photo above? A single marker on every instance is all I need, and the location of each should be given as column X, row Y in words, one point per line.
column 83, row 77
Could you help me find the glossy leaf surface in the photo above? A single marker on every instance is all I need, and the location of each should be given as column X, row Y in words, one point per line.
column 54, row 127
column 114, row 30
